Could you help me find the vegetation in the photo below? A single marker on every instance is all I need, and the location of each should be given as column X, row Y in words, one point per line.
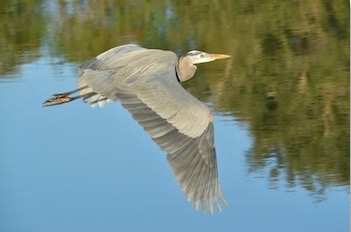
column 22, row 27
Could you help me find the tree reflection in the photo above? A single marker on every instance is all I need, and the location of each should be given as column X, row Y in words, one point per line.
column 292, row 85
column 22, row 27
column 86, row 28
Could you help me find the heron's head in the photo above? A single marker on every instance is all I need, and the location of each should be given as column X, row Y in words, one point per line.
column 187, row 68
column 198, row 57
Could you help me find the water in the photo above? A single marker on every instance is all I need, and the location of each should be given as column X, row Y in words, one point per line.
column 281, row 118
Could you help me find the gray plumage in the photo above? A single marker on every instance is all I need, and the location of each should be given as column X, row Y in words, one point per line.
column 145, row 81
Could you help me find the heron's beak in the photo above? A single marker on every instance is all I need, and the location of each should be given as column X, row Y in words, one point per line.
column 206, row 57
column 218, row 56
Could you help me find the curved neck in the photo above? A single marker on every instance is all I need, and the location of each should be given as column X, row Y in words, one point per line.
column 185, row 69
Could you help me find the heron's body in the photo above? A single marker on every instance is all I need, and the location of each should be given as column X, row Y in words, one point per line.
column 146, row 82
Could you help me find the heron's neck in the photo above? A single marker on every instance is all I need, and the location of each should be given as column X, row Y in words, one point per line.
column 185, row 70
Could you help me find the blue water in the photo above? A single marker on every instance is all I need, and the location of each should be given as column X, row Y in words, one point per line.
column 73, row 168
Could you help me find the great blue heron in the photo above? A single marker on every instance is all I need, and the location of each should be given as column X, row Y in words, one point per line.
column 146, row 82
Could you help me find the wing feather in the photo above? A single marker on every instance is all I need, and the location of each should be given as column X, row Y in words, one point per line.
column 145, row 83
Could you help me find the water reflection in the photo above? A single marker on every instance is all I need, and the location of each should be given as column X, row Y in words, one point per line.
column 289, row 79
column 22, row 26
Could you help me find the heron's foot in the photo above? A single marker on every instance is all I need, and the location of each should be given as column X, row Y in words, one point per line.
column 57, row 99
column 61, row 98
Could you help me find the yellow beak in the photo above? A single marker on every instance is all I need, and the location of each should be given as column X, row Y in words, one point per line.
column 206, row 57
column 218, row 56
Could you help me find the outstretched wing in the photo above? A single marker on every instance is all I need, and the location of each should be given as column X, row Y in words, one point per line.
column 145, row 83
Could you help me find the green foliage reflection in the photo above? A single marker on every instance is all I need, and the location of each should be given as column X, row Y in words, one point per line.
column 22, row 27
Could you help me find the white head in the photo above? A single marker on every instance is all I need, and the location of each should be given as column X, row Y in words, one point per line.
column 187, row 68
